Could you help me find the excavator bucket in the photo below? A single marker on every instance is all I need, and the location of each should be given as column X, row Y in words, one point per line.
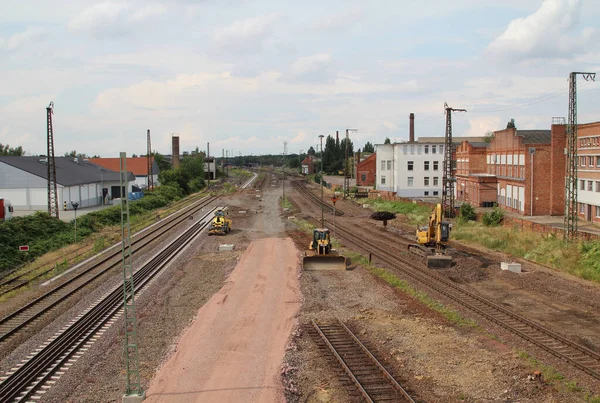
column 324, row 262
column 439, row 261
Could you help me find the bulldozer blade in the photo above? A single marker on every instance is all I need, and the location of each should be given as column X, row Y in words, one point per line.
column 324, row 262
column 439, row 262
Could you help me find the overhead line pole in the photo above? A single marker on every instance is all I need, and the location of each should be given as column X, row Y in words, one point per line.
column 52, row 191
column 571, row 214
column 448, row 179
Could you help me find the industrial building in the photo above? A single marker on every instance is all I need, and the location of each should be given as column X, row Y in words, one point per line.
column 588, row 152
column 24, row 181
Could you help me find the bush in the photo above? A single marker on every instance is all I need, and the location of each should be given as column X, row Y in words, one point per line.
column 466, row 213
column 493, row 218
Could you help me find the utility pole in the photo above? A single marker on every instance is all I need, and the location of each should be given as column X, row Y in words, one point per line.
column 570, row 224
column 347, row 166
column 208, row 161
column 223, row 161
column 283, row 166
column 322, row 206
column 52, row 192
column 448, row 179
column 133, row 389
column 150, row 159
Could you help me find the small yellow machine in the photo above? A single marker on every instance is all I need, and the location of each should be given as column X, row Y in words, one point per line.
column 320, row 254
column 220, row 224
column 432, row 240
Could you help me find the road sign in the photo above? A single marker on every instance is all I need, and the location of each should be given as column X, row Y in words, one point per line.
column 334, row 199
column 23, row 248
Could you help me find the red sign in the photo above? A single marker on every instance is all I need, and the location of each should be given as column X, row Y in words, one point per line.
column 24, row 248
column 334, row 199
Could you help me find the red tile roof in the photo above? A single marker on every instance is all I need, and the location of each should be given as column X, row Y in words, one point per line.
column 138, row 166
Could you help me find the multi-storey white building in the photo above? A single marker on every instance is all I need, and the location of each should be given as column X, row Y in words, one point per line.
column 411, row 169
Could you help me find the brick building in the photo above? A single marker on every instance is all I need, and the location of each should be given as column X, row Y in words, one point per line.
column 473, row 184
column 308, row 165
column 588, row 152
column 530, row 167
column 365, row 169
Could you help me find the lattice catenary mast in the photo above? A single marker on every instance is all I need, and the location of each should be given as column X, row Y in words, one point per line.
column 570, row 225
column 150, row 158
column 347, row 165
column 448, row 179
column 52, row 192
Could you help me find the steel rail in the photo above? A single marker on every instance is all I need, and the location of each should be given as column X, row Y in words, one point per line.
column 45, row 303
column 301, row 187
column 33, row 373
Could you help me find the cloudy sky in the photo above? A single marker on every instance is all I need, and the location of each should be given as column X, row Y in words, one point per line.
column 247, row 75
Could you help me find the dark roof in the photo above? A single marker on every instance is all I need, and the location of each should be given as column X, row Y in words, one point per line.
column 535, row 136
column 479, row 144
column 69, row 171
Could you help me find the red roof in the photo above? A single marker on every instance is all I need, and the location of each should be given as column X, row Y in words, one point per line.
column 372, row 156
column 307, row 160
column 138, row 166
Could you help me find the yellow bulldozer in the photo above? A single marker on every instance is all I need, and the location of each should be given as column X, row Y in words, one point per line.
column 432, row 240
column 321, row 255
column 220, row 225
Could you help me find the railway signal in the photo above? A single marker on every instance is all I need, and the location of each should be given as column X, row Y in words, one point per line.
column 23, row 248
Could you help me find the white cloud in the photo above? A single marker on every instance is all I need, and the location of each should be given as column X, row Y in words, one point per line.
column 300, row 137
column 246, row 35
column 310, row 64
column 113, row 18
column 339, row 21
column 547, row 33
column 20, row 39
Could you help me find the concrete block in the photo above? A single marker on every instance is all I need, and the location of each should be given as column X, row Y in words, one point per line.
column 242, row 212
column 511, row 266
column 291, row 217
column 257, row 190
column 365, row 205
column 286, row 209
column 134, row 398
column 257, row 196
column 226, row 247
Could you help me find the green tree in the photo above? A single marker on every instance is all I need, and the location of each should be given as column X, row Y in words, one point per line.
column 176, row 178
column 163, row 164
column 5, row 149
column 311, row 151
column 369, row 148
column 75, row 154
column 387, row 141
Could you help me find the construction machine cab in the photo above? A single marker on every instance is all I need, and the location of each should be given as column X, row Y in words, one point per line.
column 321, row 255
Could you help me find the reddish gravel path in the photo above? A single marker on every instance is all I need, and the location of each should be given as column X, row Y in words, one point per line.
column 234, row 349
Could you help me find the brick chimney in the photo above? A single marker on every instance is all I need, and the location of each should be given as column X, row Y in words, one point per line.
column 411, row 137
column 337, row 136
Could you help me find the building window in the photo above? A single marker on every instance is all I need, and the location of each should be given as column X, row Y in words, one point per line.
column 426, row 149
column 410, row 165
column 389, row 165
column 426, row 165
column 363, row 177
column 435, row 165
column 581, row 161
column 590, row 186
column 410, row 181
column 427, row 194
column 435, row 181
column 412, row 149
column 581, row 208
column 383, row 180
column 419, row 149
column 433, row 149
column 382, row 165
column 435, row 193
column 591, row 161
column 581, row 184
column 405, row 149
column 597, row 186
column 426, row 181
column 441, row 149
column 597, row 211
column 598, row 161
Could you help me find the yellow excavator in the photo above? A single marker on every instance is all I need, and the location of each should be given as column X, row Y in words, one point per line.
column 432, row 240
column 321, row 255
column 220, row 224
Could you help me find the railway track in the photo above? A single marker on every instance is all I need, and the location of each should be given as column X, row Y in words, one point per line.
column 574, row 354
column 568, row 351
column 370, row 377
column 301, row 187
column 12, row 281
column 31, row 378
column 27, row 315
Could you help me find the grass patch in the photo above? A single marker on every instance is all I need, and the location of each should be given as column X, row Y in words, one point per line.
column 285, row 203
column 581, row 259
column 304, row 225
column 414, row 213
column 390, row 278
